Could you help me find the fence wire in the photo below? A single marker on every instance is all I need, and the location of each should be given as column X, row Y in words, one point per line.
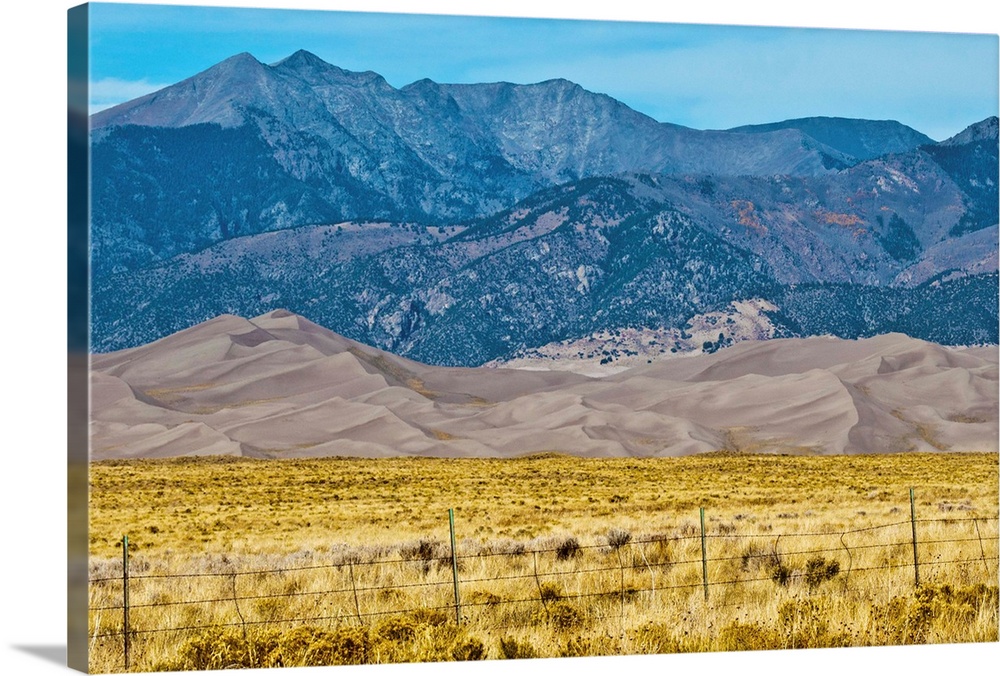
column 577, row 564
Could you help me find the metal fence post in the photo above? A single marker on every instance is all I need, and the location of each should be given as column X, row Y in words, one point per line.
column 454, row 566
column 125, row 626
column 704, row 554
column 913, row 526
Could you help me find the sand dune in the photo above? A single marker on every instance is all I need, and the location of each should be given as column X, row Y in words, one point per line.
column 281, row 386
column 157, row 441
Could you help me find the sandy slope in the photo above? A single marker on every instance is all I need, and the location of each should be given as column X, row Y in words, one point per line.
column 281, row 386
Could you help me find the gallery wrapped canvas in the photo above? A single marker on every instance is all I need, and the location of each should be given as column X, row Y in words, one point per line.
column 406, row 338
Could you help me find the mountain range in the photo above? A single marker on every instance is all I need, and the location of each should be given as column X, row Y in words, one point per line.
column 465, row 224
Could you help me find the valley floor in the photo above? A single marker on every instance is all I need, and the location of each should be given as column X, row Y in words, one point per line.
column 321, row 561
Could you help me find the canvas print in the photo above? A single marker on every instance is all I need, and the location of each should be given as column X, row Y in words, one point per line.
column 418, row 338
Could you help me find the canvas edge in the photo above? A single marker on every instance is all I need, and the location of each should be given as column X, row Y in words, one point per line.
column 78, row 321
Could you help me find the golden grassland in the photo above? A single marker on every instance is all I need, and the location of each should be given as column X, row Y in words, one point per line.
column 240, row 562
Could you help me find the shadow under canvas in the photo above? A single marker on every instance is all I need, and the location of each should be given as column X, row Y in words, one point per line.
column 50, row 653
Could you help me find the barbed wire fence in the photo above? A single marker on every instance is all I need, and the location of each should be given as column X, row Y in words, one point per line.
column 616, row 570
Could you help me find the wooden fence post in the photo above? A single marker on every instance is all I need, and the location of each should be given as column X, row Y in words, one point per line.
column 354, row 586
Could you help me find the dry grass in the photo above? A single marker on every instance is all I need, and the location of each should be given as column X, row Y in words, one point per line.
column 346, row 561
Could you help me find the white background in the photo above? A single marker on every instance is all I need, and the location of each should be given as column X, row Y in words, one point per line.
column 33, row 310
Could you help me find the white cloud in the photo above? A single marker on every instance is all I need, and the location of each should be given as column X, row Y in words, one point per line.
column 111, row 91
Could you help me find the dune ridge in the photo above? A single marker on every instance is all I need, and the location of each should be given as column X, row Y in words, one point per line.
column 279, row 385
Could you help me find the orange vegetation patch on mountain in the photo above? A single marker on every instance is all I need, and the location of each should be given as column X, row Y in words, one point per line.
column 834, row 218
column 747, row 215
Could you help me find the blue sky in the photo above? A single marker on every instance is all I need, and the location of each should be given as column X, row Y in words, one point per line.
column 702, row 76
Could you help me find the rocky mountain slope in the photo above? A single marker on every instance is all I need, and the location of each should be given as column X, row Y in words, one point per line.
column 464, row 224
column 246, row 147
column 860, row 139
column 855, row 254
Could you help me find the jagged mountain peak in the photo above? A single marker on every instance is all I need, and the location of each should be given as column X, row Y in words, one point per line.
column 559, row 84
column 315, row 71
column 243, row 69
column 301, row 58
column 503, row 91
column 243, row 58
column 223, row 93
column 422, row 83
column 305, row 64
column 215, row 95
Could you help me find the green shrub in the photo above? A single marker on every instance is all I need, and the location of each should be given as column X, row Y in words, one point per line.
column 739, row 636
column 781, row 574
column 819, row 570
column 804, row 623
column 482, row 598
column 550, row 591
column 512, row 649
column 398, row 629
column 469, row 650
column 225, row 649
column 909, row 619
column 618, row 538
column 428, row 553
column 310, row 646
column 654, row 638
column 565, row 616
column 293, row 646
column 434, row 618
column 568, row 549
